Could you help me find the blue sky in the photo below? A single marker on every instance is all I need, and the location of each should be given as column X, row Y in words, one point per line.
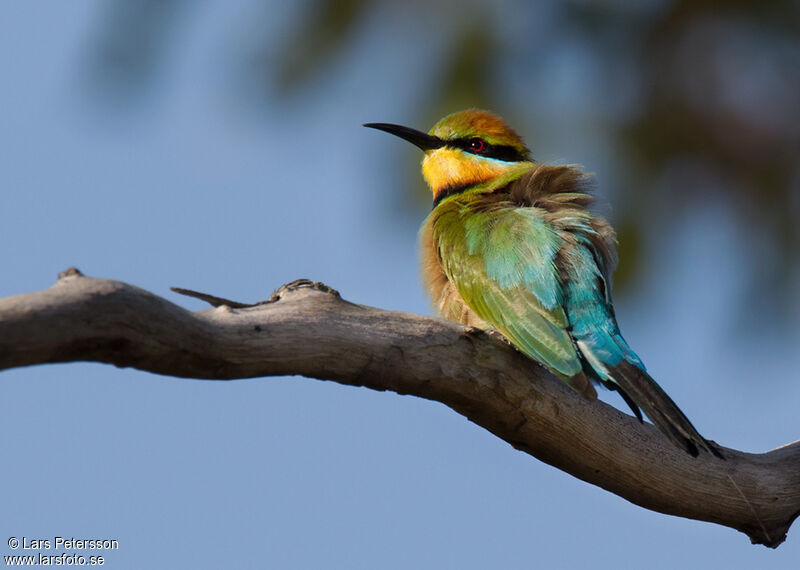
column 188, row 188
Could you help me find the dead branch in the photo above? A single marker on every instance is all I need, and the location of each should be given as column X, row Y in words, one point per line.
column 306, row 329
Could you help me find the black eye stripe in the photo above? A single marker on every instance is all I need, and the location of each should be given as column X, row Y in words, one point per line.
column 499, row 152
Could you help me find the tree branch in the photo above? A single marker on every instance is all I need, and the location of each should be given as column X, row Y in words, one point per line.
column 307, row 329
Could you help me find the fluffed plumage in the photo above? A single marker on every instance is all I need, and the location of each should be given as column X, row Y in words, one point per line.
column 511, row 245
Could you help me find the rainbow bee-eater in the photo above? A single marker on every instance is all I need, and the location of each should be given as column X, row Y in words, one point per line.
column 511, row 245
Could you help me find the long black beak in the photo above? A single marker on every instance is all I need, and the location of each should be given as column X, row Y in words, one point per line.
column 422, row 140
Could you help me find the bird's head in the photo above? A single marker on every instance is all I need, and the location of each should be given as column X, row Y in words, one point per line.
column 464, row 149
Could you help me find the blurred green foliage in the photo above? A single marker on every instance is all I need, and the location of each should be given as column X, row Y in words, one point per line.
column 320, row 36
column 685, row 91
column 133, row 39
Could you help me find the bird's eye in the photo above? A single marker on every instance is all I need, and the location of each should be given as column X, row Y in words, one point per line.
column 477, row 145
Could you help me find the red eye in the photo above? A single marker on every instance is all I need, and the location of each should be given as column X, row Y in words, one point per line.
column 477, row 145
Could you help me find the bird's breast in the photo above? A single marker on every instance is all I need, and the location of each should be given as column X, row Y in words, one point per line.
column 443, row 294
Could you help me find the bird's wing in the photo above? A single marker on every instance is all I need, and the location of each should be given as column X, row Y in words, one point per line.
column 502, row 262
column 586, row 296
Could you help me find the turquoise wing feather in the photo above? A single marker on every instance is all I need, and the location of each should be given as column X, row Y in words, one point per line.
column 586, row 296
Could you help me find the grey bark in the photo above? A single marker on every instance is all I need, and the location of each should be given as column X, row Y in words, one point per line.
column 307, row 329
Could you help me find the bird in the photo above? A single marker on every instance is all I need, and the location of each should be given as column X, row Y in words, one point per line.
column 511, row 245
